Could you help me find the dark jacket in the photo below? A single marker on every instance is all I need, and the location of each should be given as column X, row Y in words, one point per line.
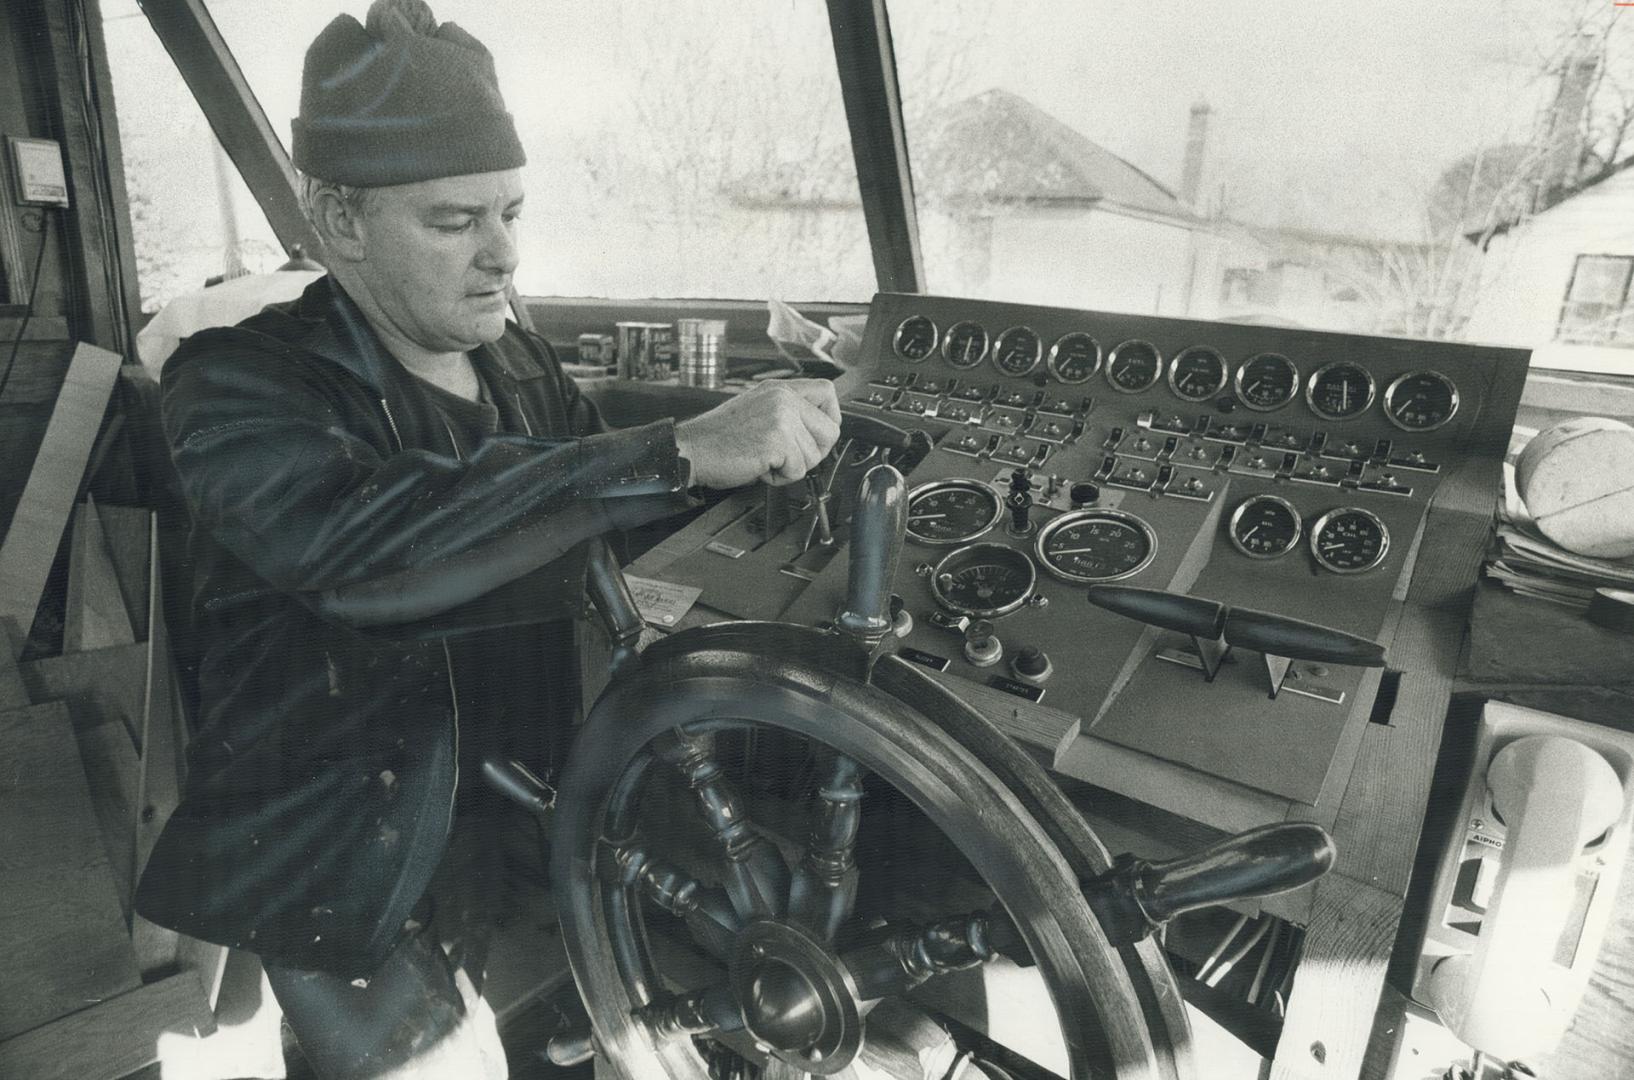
column 382, row 572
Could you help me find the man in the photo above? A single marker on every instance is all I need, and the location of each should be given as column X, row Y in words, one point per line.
column 391, row 490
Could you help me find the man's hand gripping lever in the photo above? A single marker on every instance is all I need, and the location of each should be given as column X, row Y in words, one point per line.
column 776, row 432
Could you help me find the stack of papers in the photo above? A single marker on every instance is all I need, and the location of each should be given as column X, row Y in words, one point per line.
column 1531, row 564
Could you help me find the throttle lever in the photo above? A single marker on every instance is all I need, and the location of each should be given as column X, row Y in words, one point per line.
column 1215, row 629
column 877, row 530
column 1136, row 897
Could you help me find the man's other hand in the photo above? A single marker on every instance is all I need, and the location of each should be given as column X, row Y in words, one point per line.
column 777, row 432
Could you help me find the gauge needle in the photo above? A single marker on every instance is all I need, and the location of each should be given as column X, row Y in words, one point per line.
column 1249, row 535
column 926, row 517
column 1344, row 397
column 1333, row 547
column 1074, row 551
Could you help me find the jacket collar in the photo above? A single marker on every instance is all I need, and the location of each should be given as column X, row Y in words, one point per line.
column 332, row 325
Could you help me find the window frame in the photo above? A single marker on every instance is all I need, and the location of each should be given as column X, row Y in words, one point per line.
column 1615, row 333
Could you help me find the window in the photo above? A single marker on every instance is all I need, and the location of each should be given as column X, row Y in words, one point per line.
column 192, row 218
column 1390, row 168
column 682, row 149
column 1598, row 308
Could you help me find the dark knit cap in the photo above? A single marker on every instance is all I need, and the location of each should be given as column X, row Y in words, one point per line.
column 400, row 99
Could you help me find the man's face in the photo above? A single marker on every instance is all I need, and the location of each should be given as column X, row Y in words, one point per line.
column 439, row 254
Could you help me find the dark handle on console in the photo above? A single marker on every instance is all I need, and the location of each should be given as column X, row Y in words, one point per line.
column 1135, row 897
column 1299, row 640
column 876, row 541
column 610, row 594
column 513, row 780
column 874, row 431
column 1172, row 611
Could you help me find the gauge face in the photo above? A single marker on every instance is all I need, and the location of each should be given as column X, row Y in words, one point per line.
column 1075, row 357
column 965, row 345
column 1134, row 366
column 1421, row 400
column 1096, row 545
column 1349, row 540
column 1340, row 390
column 915, row 338
column 1197, row 373
column 984, row 580
column 1265, row 527
column 952, row 511
column 1267, row 381
column 1017, row 351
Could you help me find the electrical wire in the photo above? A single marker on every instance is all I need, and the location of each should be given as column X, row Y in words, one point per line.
column 1238, row 953
column 1225, row 943
column 1265, row 963
column 28, row 311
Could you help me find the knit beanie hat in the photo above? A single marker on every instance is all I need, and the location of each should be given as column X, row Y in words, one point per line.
column 400, row 99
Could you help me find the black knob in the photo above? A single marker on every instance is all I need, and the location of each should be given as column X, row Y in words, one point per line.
column 1031, row 661
column 1083, row 494
column 1021, row 507
column 1020, row 482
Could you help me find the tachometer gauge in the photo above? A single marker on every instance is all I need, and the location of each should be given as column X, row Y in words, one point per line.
column 1075, row 357
column 1198, row 373
column 1267, row 381
column 952, row 511
column 915, row 338
column 965, row 345
column 1420, row 400
column 983, row 580
column 1096, row 545
column 1017, row 351
column 1340, row 390
column 1265, row 527
column 1349, row 540
column 1134, row 366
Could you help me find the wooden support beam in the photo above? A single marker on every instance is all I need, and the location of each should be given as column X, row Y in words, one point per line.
column 873, row 108
column 36, row 528
column 190, row 36
column 112, row 1039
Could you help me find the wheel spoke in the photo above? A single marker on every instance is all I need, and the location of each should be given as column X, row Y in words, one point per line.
column 707, row 912
column 824, row 890
column 710, row 1011
column 912, row 954
column 757, row 879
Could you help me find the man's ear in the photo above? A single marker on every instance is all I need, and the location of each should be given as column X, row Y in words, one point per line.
column 341, row 226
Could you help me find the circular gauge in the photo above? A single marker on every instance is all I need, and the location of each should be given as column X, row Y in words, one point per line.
column 1267, row 381
column 1017, row 351
column 1265, row 527
column 965, row 345
column 915, row 338
column 983, row 580
column 1349, row 540
column 1340, row 390
column 1075, row 357
column 1198, row 373
column 952, row 511
column 1420, row 400
column 1096, row 545
column 1134, row 366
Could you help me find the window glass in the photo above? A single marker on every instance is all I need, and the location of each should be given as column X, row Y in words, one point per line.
column 1427, row 170
column 1597, row 305
column 192, row 219
column 682, row 149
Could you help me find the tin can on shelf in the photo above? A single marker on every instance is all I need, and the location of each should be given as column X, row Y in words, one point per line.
column 597, row 349
column 644, row 349
column 701, row 352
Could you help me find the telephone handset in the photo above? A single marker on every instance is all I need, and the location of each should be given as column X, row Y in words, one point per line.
column 1525, row 890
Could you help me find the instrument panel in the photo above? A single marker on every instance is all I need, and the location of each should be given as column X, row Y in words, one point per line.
column 1285, row 470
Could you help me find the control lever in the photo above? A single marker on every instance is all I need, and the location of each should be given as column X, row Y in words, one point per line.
column 1215, row 629
column 517, row 783
column 877, row 529
column 611, row 595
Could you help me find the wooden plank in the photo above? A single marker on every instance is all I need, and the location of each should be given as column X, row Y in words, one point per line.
column 126, row 529
column 111, row 1039
column 13, row 691
column 1337, row 984
column 111, row 768
column 42, row 512
column 113, row 682
column 94, row 616
column 61, row 932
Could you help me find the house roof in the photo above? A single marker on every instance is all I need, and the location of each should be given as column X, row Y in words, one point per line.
column 998, row 146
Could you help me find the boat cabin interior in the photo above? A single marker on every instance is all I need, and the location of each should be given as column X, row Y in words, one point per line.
column 1191, row 636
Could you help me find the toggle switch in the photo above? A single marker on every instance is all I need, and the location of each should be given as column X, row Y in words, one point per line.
column 1032, row 665
column 982, row 646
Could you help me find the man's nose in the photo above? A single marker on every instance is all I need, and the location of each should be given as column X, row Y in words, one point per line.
column 498, row 252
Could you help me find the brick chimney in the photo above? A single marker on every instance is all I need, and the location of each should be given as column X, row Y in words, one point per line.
column 1191, row 169
column 1563, row 139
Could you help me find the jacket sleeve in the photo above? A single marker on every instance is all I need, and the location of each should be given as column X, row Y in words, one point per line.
column 277, row 466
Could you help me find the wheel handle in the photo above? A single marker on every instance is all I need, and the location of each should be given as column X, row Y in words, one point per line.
column 877, row 529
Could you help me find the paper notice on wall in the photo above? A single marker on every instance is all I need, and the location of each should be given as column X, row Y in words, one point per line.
column 661, row 603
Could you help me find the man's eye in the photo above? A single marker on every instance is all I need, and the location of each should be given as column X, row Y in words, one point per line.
column 463, row 226
column 512, row 216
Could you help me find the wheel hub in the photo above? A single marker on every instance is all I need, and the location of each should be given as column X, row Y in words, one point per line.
column 798, row 999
